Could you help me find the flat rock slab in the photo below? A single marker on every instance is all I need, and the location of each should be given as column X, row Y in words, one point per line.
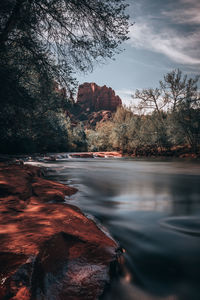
column 107, row 154
column 48, row 250
column 95, row 154
column 82, row 155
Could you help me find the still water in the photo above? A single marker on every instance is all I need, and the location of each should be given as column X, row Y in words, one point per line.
column 152, row 208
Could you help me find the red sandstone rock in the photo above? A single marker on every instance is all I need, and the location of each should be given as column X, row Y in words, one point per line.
column 96, row 154
column 107, row 154
column 47, row 190
column 99, row 117
column 94, row 105
column 48, row 250
column 92, row 98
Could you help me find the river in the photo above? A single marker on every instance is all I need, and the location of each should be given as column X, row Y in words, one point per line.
column 152, row 208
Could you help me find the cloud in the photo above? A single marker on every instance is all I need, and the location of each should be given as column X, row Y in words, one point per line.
column 188, row 12
column 180, row 47
column 125, row 95
column 171, row 28
column 124, row 92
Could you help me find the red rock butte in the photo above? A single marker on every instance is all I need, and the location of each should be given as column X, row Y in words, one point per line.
column 92, row 98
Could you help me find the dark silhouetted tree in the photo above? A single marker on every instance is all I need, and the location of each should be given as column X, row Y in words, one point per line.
column 43, row 41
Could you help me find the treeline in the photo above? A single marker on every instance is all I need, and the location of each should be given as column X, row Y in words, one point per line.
column 43, row 42
column 163, row 121
column 33, row 117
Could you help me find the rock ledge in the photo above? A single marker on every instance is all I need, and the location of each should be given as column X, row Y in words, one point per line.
column 48, row 250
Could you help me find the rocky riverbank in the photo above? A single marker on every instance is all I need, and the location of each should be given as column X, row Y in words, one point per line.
column 48, row 249
column 96, row 154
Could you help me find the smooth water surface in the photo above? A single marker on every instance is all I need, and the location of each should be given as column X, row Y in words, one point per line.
column 152, row 208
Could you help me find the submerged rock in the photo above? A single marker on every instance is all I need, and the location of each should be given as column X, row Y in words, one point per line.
column 48, row 250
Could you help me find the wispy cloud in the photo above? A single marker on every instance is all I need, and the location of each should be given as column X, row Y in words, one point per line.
column 168, row 34
column 125, row 92
column 125, row 95
column 179, row 47
column 188, row 12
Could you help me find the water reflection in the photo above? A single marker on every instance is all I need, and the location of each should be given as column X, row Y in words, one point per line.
column 142, row 203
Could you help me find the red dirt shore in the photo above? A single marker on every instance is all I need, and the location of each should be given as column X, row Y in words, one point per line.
column 48, row 250
column 95, row 154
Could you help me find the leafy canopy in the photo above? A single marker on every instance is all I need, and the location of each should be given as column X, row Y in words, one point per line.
column 43, row 41
column 62, row 36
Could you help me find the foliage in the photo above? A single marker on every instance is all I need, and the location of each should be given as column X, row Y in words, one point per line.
column 77, row 137
column 165, row 117
column 175, row 106
column 27, row 125
column 62, row 36
column 43, row 42
column 100, row 139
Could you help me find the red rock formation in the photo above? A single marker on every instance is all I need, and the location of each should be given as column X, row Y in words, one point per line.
column 107, row 154
column 92, row 98
column 48, row 250
column 95, row 154
column 99, row 117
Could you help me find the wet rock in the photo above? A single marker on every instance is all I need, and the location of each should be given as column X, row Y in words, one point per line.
column 77, row 265
column 82, row 155
column 48, row 250
column 50, row 158
column 16, row 180
column 48, row 190
column 107, row 154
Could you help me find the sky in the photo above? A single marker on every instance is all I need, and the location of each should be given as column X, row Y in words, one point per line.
column 165, row 36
